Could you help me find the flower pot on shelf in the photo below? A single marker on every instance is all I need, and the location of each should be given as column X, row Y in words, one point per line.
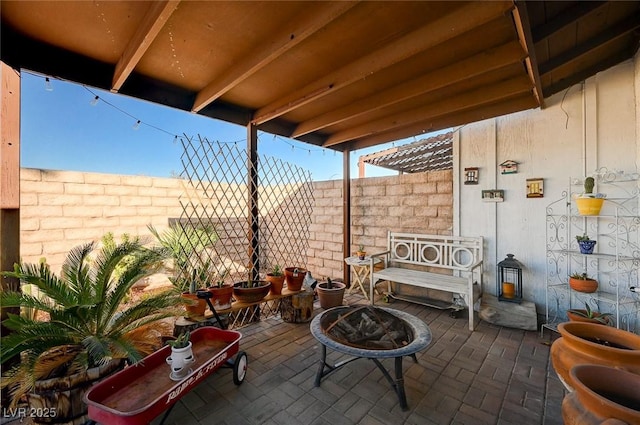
column 277, row 283
column 589, row 206
column 586, row 247
column 602, row 393
column 221, row 296
column 596, row 344
column 583, row 284
column 330, row 293
column 294, row 277
column 246, row 292
column 196, row 306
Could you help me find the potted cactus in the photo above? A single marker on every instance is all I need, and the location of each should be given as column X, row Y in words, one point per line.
column 276, row 277
column 589, row 203
column 181, row 356
column 586, row 244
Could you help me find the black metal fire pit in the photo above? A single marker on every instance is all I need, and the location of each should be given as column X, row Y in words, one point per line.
column 372, row 333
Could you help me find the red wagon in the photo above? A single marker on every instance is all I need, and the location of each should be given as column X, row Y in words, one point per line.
column 139, row 393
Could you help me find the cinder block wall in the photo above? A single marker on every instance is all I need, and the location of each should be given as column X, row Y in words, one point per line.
column 61, row 209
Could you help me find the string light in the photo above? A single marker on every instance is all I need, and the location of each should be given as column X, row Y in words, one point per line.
column 136, row 125
column 47, row 84
column 94, row 101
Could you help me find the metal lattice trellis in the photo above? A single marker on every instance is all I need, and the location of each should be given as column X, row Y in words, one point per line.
column 216, row 194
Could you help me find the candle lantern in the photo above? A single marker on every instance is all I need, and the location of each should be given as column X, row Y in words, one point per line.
column 509, row 280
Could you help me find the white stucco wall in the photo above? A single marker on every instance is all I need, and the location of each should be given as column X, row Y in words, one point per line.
column 593, row 124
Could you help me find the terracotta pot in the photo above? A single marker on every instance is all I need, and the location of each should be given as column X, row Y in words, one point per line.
column 574, row 317
column 577, row 345
column 602, row 393
column 251, row 295
column 196, row 307
column 294, row 277
column 277, row 283
column 583, row 285
column 333, row 297
column 221, row 296
column 64, row 395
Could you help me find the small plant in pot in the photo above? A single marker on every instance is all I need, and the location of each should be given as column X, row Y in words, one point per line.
column 294, row 276
column 581, row 282
column 181, row 356
column 330, row 293
column 361, row 253
column 589, row 203
column 586, row 244
column 221, row 292
column 588, row 315
column 276, row 277
column 250, row 291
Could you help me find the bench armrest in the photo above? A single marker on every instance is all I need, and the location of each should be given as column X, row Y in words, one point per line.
column 380, row 254
column 476, row 265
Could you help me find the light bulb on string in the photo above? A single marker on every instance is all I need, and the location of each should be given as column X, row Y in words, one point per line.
column 94, row 101
column 47, row 84
column 136, row 125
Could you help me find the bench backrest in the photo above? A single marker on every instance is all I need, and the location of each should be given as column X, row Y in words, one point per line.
column 449, row 252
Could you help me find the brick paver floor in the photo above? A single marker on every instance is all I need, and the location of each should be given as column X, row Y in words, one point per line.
column 494, row 375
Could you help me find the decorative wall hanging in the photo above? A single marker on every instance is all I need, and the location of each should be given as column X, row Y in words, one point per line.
column 509, row 167
column 471, row 175
column 494, row 195
column 535, row 188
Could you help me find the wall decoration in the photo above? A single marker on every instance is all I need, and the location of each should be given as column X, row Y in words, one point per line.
column 494, row 195
column 471, row 175
column 535, row 188
column 509, row 167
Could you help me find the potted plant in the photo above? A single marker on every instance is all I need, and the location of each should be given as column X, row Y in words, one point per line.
column 361, row 253
column 221, row 292
column 589, row 203
column 581, row 282
column 294, row 276
column 330, row 293
column 181, row 356
column 588, row 315
column 183, row 244
column 276, row 277
column 91, row 326
column 250, row 291
column 586, row 244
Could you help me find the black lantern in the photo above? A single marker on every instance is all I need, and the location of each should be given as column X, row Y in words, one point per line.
column 509, row 280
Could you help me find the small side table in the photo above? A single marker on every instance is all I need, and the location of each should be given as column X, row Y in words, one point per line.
column 361, row 271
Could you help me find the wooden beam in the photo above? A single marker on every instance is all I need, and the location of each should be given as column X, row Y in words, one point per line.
column 284, row 39
column 484, row 62
column 523, row 28
column 253, row 231
column 460, row 20
column 614, row 32
column 508, row 106
column 566, row 18
column 156, row 17
column 468, row 100
column 10, row 143
column 346, row 214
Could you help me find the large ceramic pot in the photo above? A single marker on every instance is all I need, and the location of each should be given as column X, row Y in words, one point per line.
column 584, row 343
column 277, row 283
column 196, row 306
column 257, row 292
column 330, row 297
column 294, row 277
column 61, row 399
column 602, row 393
column 221, row 296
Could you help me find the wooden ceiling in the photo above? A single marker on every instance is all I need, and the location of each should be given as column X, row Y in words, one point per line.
column 343, row 75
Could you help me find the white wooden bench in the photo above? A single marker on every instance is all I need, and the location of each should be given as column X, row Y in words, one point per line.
column 412, row 258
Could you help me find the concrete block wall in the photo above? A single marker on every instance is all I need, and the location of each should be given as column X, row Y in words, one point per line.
column 61, row 209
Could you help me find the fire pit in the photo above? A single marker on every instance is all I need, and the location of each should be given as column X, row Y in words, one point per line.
column 372, row 333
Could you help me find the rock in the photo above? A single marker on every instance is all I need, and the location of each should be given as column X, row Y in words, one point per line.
column 507, row 314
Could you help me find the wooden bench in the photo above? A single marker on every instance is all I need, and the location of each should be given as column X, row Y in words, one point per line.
column 415, row 259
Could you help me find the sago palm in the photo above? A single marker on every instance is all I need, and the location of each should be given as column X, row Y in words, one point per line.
column 89, row 323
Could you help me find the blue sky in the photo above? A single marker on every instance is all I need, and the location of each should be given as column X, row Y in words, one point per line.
column 61, row 130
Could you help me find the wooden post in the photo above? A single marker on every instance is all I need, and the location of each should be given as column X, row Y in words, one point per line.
column 9, row 187
column 346, row 214
column 253, row 235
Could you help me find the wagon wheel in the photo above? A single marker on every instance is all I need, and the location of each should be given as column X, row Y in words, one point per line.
column 240, row 368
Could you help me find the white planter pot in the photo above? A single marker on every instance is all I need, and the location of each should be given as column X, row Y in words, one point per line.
column 179, row 360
